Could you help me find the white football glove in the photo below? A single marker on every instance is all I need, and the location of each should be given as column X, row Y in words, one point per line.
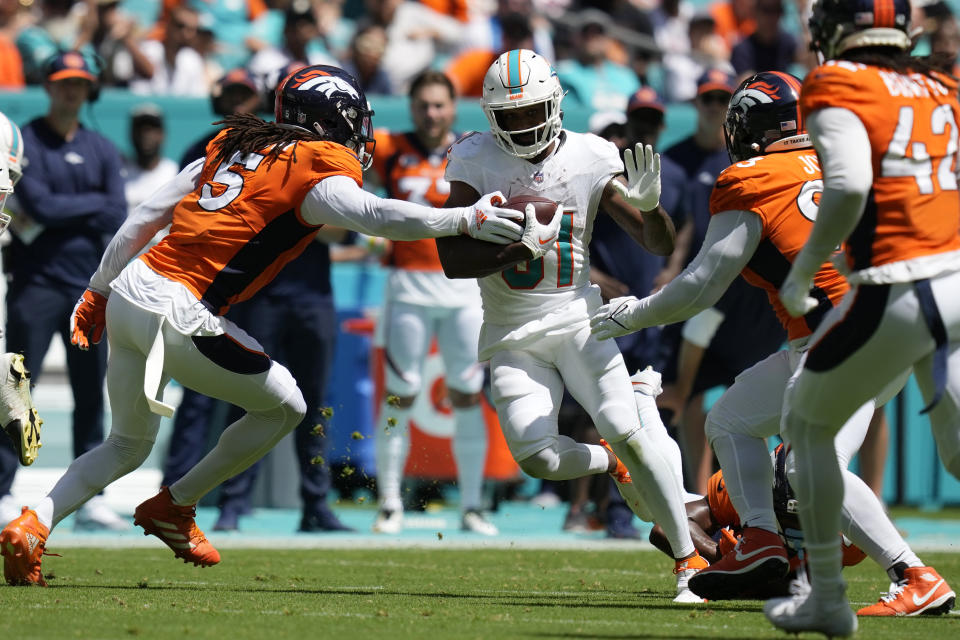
column 643, row 177
column 540, row 238
column 795, row 295
column 614, row 319
column 488, row 222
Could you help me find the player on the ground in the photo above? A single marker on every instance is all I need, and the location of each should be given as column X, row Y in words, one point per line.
column 237, row 216
column 18, row 416
column 715, row 528
column 421, row 303
column 537, row 297
column 762, row 207
column 885, row 127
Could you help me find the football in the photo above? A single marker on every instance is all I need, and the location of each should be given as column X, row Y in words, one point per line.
column 545, row 207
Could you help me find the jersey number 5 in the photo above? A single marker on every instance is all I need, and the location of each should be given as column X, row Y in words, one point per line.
column 227, row 176
column 531, row 273
column 895, row 162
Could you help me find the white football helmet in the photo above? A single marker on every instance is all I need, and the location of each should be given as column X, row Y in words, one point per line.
column 11, row 160
column 520, row 78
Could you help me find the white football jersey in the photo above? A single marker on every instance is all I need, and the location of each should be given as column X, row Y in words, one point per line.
column 574, row 175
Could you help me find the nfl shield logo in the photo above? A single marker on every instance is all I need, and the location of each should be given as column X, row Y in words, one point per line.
column 538, row 177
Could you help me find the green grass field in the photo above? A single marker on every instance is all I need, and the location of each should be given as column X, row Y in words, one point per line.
column 401, row 593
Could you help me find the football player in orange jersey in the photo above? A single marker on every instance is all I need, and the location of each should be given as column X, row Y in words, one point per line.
column 237, row 216
column 422, row 303
column 763, row 207
column 885, row 126
column 715, row 527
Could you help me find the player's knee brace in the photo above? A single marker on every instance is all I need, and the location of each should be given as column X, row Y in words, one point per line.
column 289, row 413
column 128, row 453
column 795, row 427
column 543, row 464
column 294, row 409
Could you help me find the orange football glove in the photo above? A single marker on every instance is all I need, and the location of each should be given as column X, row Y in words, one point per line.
column 728, row 540
column 88, row 320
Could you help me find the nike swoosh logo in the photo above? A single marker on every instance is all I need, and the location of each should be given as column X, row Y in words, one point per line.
column 746, row 556
column 547, row 241
column 922, row 601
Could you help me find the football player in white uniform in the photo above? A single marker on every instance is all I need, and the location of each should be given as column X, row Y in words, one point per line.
column 18, row 417
column 537, row 296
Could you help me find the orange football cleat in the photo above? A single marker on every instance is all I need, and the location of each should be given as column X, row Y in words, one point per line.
column 174, row 524
column 684, row 570
column 758, row 558
column 922, row 591
column 696, row 562
column 22, row 543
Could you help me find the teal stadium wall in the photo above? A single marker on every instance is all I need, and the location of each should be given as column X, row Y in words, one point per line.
column 914, row 474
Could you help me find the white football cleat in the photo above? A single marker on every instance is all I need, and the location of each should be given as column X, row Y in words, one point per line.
column 805, row 612
column 18, row 416
column 684, row 570
column 647, row 382
column 95, row 514
column 388, row 521
column 473, row 520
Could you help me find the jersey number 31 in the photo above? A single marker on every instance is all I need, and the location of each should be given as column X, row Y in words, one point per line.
column 529, row 274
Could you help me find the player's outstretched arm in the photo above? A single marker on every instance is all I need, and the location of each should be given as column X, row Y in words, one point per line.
column 732, row 237
column 340, row 201
column 464, row 257
column 634, row 202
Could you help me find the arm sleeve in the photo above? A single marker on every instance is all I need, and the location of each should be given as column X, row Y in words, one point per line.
column 701, row 328
column 153, row 214
column 843, row 145
column 338, row 201
column 731, row 239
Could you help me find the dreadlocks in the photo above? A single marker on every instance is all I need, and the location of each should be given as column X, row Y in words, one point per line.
column 247, row 133
column 901, row 61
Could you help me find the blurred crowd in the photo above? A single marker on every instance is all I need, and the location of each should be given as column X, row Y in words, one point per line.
column 603, row 50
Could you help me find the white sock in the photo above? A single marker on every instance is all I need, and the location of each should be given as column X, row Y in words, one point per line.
column 657, row 484
column 391, row 446
column 44, row 511
column 818, row 483
column 470, row 454
column 747, row 475
column 650, row 419
column 90, row 473
column 867, row 525
column 240, row 445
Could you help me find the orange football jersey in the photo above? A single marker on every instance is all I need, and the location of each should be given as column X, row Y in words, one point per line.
column 719, row 501
column 784, row 190
column 912, row 120
column 410, row 172
column 242, row 224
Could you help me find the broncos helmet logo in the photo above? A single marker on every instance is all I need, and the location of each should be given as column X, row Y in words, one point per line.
column 324, row 83
column 754, row 94
column 329, row 85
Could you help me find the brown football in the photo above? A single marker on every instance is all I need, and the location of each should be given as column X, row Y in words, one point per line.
column 545, row 207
